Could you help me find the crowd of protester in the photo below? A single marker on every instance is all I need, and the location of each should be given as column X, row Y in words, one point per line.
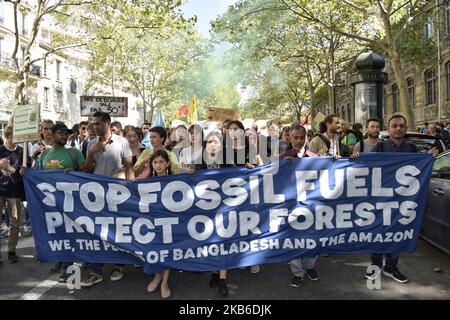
column 107, row 148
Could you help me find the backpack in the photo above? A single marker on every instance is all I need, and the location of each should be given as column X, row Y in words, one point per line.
column 72, row 154
column 344, row 137
column 342, row 151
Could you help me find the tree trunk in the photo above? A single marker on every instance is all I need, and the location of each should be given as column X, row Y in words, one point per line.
column 396, row 63
column 405, row 106
column 152, row 110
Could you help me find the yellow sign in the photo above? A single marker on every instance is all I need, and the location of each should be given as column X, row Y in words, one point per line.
column 26, row 123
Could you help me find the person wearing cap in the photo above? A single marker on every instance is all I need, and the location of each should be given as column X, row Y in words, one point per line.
column 60, row 156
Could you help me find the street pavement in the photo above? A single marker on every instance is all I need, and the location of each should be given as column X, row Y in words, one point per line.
column 341, row 277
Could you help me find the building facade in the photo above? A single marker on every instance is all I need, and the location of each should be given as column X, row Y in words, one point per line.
column 57, row 82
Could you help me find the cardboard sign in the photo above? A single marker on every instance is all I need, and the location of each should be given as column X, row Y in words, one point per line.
column 26, row 123
column 115, row 106
column 220, row 114
column 317, row 120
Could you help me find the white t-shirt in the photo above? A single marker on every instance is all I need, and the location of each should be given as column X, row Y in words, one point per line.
column 110, row 162
column 187, row 156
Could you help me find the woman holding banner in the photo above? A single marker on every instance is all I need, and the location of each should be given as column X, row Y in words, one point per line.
column 239, row 152
column 213, row 159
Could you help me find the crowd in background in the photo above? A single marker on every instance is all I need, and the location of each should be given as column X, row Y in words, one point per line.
column 107, row 148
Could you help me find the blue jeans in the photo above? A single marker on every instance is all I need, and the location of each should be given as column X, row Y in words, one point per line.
column 391, row 260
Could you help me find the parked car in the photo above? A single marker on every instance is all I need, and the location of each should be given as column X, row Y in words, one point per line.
column 422, row 141
column 436, row 223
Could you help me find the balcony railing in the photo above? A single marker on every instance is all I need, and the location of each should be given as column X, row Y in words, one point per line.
column 6, row 60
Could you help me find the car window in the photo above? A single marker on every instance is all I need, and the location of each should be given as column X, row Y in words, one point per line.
column 441, row 167
column 424, row 144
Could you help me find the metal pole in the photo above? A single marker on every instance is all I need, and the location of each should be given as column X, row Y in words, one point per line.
column 333, row 92
column 438, row 43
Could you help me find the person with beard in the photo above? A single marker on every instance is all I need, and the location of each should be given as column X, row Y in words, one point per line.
column 61, row 157
column 327, row 142
column 373, row 132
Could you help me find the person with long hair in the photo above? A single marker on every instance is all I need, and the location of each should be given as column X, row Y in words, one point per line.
column 160, row 166
column 239, row 152
column 132, row 135
column 213, row 159
column 158, row 136
column 193, row 154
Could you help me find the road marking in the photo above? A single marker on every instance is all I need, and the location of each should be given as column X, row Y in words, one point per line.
column 38, row 291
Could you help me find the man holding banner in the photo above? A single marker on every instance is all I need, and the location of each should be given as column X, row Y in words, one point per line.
column 397, row 128
column 61, row 157
column 108, row 155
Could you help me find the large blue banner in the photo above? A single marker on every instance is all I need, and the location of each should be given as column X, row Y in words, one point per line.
column 232, row 217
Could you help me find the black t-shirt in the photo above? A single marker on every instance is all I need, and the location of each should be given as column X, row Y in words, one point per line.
column 11, row 184
column 239, row 157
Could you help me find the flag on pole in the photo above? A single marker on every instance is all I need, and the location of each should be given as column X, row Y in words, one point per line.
column 183, row 113
column 193, row 111
column 306, row 120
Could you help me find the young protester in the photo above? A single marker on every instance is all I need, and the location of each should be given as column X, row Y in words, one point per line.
column 132, row 135
column 160, row 165
column 158, row 136
column 193, row 154
column 239, row 152
column 213, row 159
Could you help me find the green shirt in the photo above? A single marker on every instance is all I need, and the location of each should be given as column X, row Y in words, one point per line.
column 349, row 139
column 60, row 159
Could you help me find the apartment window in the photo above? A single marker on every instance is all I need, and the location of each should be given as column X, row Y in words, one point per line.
column 428, row 28
column 45, row 35
column 447, row 19
column 430, row 83
column 45, row 67
column 343, row 112
column 395, row 98
column 1, row 48
column 24, row 25
column 2, row 12
column 448, row 79
column 46, row 98
column 59, row 101
column 58, row 70
column 22, row 54
column 411, row 92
